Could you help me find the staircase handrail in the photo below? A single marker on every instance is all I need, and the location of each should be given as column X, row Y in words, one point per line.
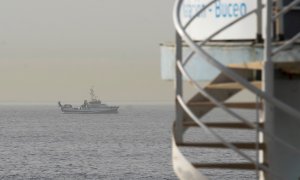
column 292, row 40
column 198, row 13
column 217, row 32
column 222, row 140
column 198, row 50
column 232, row 113
column 211, row 60
column 286, row 9
column 286, row 44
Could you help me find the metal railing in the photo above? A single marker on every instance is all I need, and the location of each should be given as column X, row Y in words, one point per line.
column 266, row 94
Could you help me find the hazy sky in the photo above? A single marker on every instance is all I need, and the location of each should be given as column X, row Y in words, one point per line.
column 54, row 50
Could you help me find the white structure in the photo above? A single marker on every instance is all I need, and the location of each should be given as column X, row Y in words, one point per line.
column 216, row 16
column 268, row 66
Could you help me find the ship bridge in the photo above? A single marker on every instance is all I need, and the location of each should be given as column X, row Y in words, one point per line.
column 224, row 48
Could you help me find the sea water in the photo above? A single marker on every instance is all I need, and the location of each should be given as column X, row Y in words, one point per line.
column 39, row 142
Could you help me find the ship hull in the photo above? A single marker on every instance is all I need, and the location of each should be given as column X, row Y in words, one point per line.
column 91, row 111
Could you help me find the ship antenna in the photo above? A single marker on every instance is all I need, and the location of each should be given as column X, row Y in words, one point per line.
column 93, row 96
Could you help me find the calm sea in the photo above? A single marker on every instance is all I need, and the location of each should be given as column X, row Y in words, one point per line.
column 39, row 142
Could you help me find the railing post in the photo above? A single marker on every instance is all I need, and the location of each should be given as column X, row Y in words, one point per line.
column 259, row 22
column 268, row 70
column 179, row 92
column 279, row 22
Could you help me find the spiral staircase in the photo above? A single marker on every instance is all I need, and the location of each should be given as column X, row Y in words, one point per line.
column 255, row 76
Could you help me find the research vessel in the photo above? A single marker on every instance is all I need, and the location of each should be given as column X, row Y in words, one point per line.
column 94, row 106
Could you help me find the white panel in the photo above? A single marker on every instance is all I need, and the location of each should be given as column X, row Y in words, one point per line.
column 218, row 15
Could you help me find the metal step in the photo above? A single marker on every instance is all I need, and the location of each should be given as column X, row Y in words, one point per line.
column 232, row 85
column 288, row 67
column 240, row 145
column 229, row 125
column 240, row 166
column 256, row 65
column 239, row 105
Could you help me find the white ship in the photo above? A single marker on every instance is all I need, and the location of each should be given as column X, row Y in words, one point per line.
column 94, row 106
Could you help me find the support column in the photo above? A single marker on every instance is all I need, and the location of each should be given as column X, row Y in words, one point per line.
column 179, row 92
column 268, row 79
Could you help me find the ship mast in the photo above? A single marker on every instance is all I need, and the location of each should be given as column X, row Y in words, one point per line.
column 92, row 93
